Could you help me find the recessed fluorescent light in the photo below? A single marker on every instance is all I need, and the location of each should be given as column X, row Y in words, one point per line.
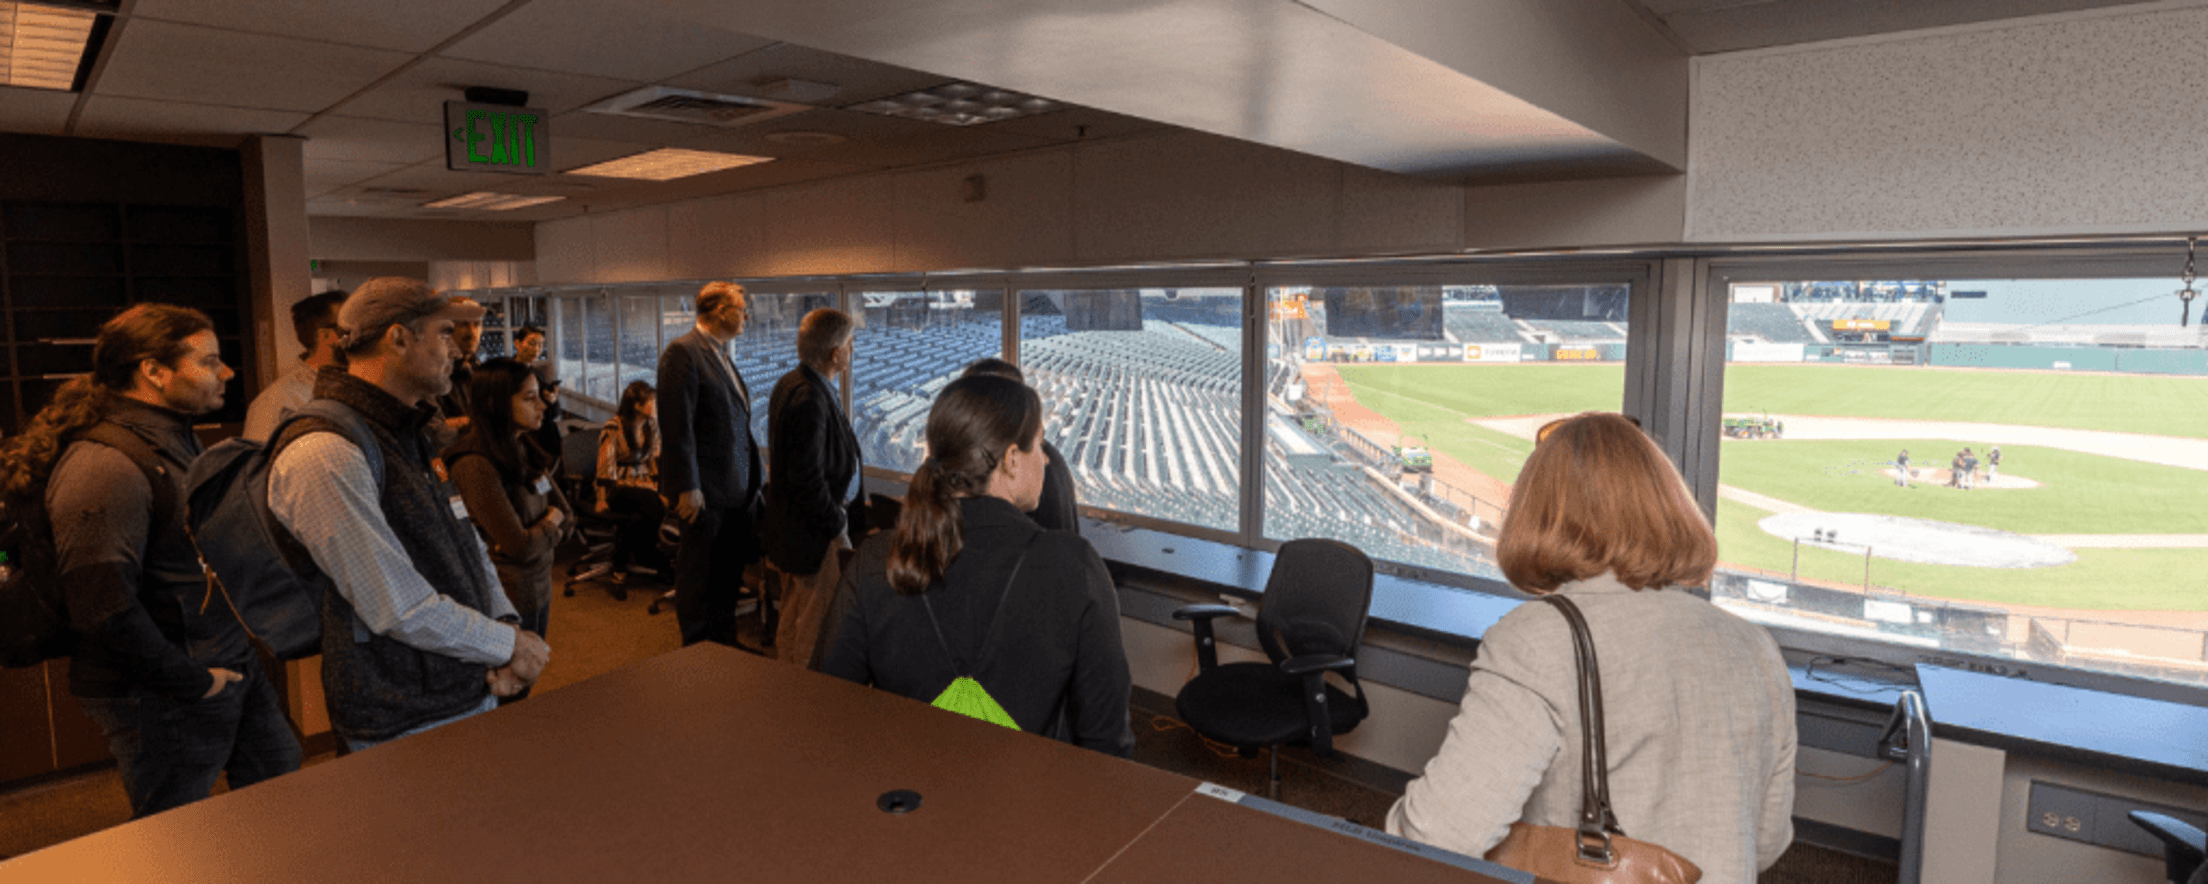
column 42, row 47
column 491, row 202
column 959, row 104
column 667, row 164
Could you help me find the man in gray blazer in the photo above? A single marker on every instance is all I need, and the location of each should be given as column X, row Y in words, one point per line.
column 709, row 466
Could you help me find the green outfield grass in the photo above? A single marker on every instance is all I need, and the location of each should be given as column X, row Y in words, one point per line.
column 2157, row 404
column 2082, row 493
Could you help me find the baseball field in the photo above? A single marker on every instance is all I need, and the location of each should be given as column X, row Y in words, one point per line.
column 2109, row 466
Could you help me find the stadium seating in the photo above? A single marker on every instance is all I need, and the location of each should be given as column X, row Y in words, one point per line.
column 1481, row 327
column 1775, row 323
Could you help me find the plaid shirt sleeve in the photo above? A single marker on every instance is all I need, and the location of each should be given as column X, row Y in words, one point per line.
column 320, row 489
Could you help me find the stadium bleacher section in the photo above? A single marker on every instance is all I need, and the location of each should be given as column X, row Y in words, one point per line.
column 1774, row 323
column 1481, row 326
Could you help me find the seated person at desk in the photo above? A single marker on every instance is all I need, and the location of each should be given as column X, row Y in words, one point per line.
column 1698, row 707
column 1030, row 613
column 628, row 481
column 505, row 481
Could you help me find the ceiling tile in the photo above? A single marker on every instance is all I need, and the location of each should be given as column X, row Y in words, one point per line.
column 627, row 130
column 339, row 21
column 161, row 60
column 606, row 38
column 434, row 176
column 1075, row 124
column 351, row 138
column 946, row 144
column 36, row 111
column 419, row 94
column 106, row 116
column 858, row 79
column 851, row 125
column 326, row 175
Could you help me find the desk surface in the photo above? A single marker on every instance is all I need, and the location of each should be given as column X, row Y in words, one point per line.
column 703, row 764
column 2131, row 734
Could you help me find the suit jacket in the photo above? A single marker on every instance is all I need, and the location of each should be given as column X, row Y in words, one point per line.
column 1697, row 706
column 705, row 426
column 813, row 455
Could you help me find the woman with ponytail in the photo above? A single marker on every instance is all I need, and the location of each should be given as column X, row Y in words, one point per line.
column 968, row 585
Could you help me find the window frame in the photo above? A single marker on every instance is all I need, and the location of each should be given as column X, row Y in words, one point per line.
column 2079, row 260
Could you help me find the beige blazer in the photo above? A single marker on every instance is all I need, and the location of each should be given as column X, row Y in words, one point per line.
column 1699, row 711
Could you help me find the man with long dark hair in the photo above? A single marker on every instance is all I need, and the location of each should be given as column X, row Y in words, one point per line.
column 170, row 678
column 416, row 633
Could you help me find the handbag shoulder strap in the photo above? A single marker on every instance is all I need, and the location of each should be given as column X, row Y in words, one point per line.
column 1596, row 820
column 958, row 664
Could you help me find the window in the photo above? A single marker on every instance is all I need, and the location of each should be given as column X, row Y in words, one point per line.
column 1398, row 415
column 2003, row 467
column 908, row 345
column 1144, row 393
column 566, row 344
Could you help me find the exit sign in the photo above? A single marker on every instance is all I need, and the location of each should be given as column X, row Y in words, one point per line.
column 497, row 138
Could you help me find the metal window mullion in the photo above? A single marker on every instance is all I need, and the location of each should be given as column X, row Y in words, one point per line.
column 1252, row 461
column 1010, row 317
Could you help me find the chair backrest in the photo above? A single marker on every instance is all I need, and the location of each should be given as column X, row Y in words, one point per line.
column 1315, row 600
column 579, row 465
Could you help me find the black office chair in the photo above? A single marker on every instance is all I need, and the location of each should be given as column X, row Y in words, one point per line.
column 2183, row 846
column 579, row 474
column 1309, row 622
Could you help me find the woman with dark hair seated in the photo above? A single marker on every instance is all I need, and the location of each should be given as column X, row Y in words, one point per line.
column 1697, row 707
column 968, row 585
column 506, row 482
column 628, row 482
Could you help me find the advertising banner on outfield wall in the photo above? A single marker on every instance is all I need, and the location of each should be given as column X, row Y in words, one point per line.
column 1754, row 351
column 1492, row 352
column 1577, row 354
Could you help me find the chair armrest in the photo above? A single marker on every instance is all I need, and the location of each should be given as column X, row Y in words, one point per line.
column 1203, row 612
column 2183, row 846
column 1207, row 648
column 1314, row 663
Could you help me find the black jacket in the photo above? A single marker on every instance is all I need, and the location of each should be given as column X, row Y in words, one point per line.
column 1057, row 665
column 705, row 426
column 814, row 456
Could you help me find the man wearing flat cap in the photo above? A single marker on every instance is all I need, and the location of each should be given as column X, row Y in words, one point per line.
column 415, row 631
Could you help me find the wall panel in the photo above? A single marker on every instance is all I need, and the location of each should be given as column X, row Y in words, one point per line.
column 631, row 246
column 1186, row 195
column 2079, row 123
column 1024, row 217
column 840, row 226
column 718, row 237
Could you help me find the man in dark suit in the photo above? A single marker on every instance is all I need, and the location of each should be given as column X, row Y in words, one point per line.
column 709, row 465
column 815, row 459
column 1059, row 509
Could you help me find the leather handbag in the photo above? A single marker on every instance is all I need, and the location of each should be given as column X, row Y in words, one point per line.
column 1597, row 851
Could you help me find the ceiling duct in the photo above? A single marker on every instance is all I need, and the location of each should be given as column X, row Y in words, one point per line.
column 694, row 107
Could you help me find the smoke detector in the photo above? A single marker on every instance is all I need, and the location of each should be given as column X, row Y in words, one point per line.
column 694, row 107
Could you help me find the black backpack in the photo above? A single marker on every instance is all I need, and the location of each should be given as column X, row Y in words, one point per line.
column 34, row 608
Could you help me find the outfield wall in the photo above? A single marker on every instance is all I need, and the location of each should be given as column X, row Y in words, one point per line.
column 2045, row 356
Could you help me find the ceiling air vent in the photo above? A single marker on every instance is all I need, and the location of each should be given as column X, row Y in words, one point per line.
column 693, row 107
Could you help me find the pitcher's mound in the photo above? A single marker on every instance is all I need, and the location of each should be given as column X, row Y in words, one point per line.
column 1939, row 477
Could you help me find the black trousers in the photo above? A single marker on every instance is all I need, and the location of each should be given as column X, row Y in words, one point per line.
column 709, row 573
column 640, row 511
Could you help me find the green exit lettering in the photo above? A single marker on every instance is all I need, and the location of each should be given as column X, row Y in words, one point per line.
column 499, row 139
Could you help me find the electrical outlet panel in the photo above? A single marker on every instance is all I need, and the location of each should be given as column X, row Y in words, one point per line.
column 2097, row 819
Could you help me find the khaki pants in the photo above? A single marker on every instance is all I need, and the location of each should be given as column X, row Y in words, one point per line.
column 805, row 602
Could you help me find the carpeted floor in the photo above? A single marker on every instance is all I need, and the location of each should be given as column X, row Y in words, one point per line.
column 592, row 633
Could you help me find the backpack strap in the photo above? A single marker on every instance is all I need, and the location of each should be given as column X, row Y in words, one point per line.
column 348, row 422
column 958, row 664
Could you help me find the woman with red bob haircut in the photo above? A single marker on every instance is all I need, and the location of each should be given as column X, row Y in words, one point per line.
column 1698, row 707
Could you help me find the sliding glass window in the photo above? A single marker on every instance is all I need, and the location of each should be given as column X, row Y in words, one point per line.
column 910, row 344
column 1397, row 416
column 1144, row 393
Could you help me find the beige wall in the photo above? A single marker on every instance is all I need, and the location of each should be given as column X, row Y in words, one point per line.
column 1146, row 198
column 2071, row 124
column 335, row 238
